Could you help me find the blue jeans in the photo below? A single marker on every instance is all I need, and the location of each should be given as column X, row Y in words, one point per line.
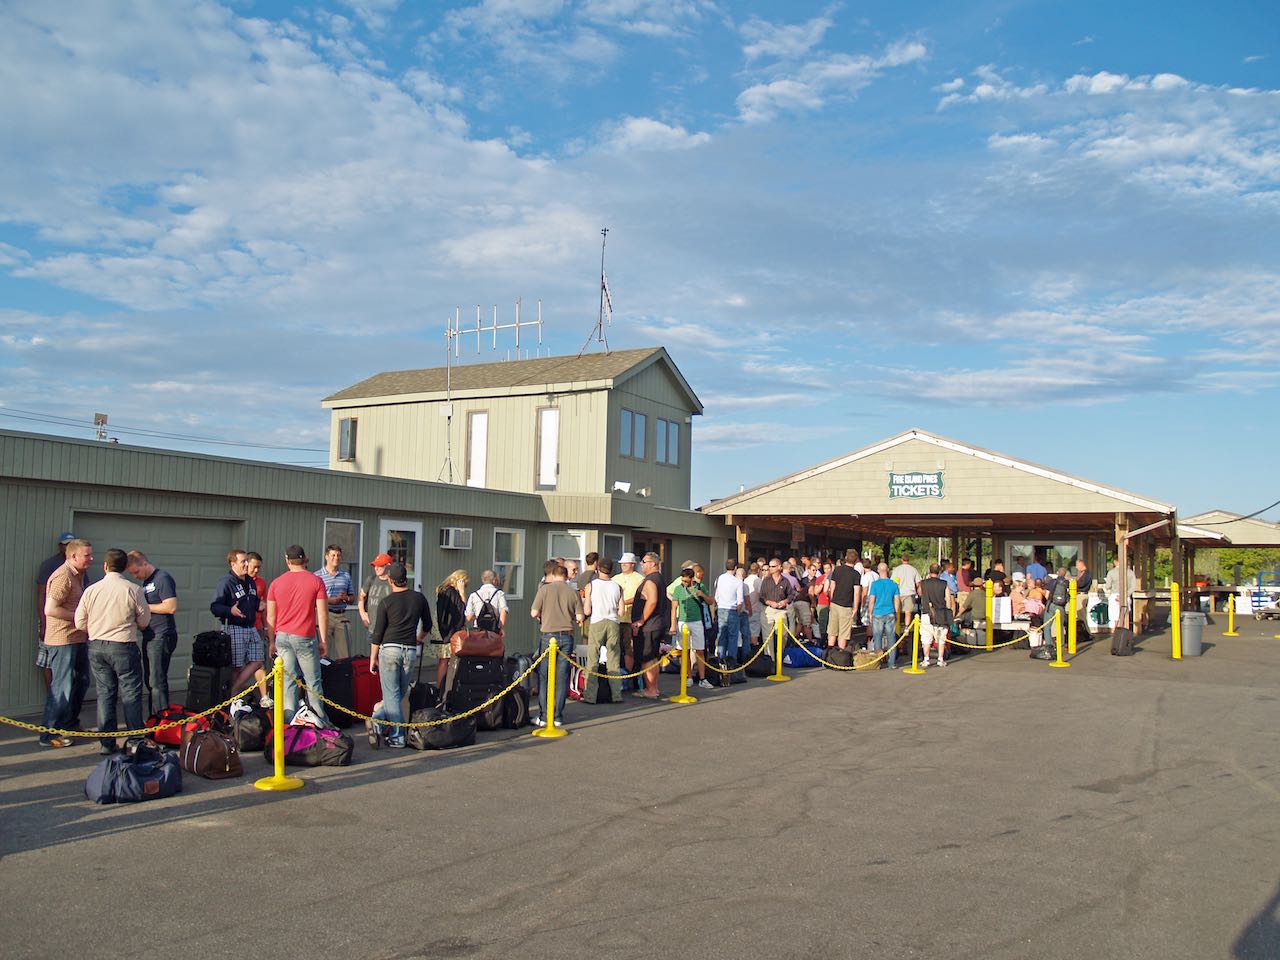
column 158, row 653
column 117, row 673
column 565, row 642
column 69, row 664
column 395, row 663
column 300, row 655
column 882, row 634
column 729, row 626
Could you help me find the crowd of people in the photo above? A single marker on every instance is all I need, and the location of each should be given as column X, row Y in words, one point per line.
column 120, row 634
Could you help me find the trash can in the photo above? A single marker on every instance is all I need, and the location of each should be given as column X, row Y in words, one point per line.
column 1192, row 632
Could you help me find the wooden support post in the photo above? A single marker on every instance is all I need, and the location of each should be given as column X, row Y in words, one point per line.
column 741, row 536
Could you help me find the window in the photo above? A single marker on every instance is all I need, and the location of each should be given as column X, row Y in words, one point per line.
column 666, row 446
column 347, row 438
column 570, row 544
column 631, row 434
column 477, row 447
column 613, row 546
column 548, row 448
column 508, row 560
column 402, row 540
column 348, row 535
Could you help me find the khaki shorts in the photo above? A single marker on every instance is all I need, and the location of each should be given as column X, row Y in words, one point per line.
column 803, row 612
column 840, row 626
column 433, row 651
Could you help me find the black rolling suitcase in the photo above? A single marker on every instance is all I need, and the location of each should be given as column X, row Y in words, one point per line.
column 717, row 678
column 738, row 676
column 339, row 686
column 471, row 682
column 207, row 687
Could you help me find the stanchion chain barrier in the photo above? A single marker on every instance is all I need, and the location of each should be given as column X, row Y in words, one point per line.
column 866, row 666
column 662, row 662
column 145, row 731
column 754, row 657
column 426, row 723
column 997, row 646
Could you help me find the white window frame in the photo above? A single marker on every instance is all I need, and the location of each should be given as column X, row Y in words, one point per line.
column 539, row 477
column 604, row 546
column 580, row 536
column 503, row 568
column 347, row 450
column 385, row 526
column 353, row 564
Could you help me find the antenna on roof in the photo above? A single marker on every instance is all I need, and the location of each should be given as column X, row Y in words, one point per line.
column 605, row 317
column 453, row 334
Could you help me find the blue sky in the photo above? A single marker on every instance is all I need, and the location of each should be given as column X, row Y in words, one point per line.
column 1050, row 229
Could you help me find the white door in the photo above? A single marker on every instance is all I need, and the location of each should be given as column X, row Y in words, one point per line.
column 402, row 541
column 477, row 448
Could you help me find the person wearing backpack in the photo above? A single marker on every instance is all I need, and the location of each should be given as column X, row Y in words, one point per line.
column 1059, row 600
column 487, row 606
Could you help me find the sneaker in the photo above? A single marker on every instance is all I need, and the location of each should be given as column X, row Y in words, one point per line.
column 375, row 738
column 688, row 683
column 941, row 662
column 395, row 745
column 266, row 703
column 925, row 662
column 705, row 684
column 57, row 742
column 539, row 723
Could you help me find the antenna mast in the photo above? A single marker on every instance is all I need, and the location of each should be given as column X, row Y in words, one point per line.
column 453, row 332
column 605, row 317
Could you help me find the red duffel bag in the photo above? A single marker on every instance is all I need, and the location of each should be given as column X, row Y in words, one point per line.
column 172, row 736
column 477, row 643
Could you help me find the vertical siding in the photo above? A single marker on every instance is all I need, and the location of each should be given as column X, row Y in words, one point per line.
column 653, row 393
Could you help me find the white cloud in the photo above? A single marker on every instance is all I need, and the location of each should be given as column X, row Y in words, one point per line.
column 645, row 133
column 813, row 84
column 783, row 41
column 1254, row 58
column 375, row 14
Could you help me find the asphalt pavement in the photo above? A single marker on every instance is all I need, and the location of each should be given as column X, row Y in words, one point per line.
column 994, row 808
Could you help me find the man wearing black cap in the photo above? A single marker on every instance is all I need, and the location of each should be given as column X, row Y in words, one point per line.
column 402, row 622
column 298, row 607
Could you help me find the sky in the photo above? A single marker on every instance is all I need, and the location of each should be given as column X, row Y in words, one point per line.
column 1048, row 229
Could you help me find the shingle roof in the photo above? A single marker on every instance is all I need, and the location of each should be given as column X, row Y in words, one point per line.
column 506, row 374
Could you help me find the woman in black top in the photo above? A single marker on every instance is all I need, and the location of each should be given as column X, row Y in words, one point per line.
column 451, row 616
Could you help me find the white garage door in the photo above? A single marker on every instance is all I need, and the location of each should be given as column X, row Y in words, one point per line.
column 193, row 551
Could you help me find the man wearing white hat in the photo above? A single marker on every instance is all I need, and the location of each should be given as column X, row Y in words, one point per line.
column 629, row 580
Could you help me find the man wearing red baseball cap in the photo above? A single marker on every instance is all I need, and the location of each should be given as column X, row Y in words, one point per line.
column 376, row 588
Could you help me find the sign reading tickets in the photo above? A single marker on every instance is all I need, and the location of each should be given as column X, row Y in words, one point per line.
column 915, row 486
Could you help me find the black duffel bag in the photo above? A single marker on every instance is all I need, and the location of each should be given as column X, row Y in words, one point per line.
column 445, row 736
column 211, row 649
column 761, row 666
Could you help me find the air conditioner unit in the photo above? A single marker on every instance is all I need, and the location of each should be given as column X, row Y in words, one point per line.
column 455, row 538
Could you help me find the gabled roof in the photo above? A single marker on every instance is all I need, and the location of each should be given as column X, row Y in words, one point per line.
column 1241, row 531
column 1143, row 503
column 506, row 377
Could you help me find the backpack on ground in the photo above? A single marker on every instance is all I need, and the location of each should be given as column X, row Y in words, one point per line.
column 143, row 772
column 717, row 678
column 515, row 708
column 867, row 659
column 445, row 736
column 249, row 727
column 737, row 676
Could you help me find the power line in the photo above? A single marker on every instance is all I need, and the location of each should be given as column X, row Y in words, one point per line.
column 1220, row 523
column 32, row 415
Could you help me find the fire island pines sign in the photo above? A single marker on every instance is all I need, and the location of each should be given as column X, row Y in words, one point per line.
column 915, row 486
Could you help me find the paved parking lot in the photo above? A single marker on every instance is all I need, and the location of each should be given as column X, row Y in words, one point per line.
column 995, row 808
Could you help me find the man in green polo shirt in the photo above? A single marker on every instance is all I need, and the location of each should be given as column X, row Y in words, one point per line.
column 686, row 614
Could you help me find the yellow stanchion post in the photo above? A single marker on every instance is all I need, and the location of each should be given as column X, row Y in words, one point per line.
column 1231, row 618
column 551, row 731
column 683, row 696
column 1175, row 616
column 915, row 647
column 1057, row 617
column 278, row 781
column 991, row 627
column 778, row 676
column 1071, row 623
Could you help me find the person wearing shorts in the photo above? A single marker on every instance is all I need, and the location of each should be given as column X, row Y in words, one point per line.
column 235, row 604
column 686, row 615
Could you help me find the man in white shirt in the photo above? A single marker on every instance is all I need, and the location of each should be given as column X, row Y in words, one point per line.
column 869, row 576
column 751, row 587
column 908, row 578
column 603, row 604
column 731, row 604
column 488, row 593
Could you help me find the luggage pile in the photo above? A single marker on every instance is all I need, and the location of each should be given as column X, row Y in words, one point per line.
column 209, row 677
column 478, row 671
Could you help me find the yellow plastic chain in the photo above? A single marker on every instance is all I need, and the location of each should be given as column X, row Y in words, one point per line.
column 764, row 647
column 662, row 662
column 866, row 666
column 428, row 723
column 146, row 731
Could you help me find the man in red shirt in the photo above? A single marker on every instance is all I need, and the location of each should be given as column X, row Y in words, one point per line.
column 298, row 620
